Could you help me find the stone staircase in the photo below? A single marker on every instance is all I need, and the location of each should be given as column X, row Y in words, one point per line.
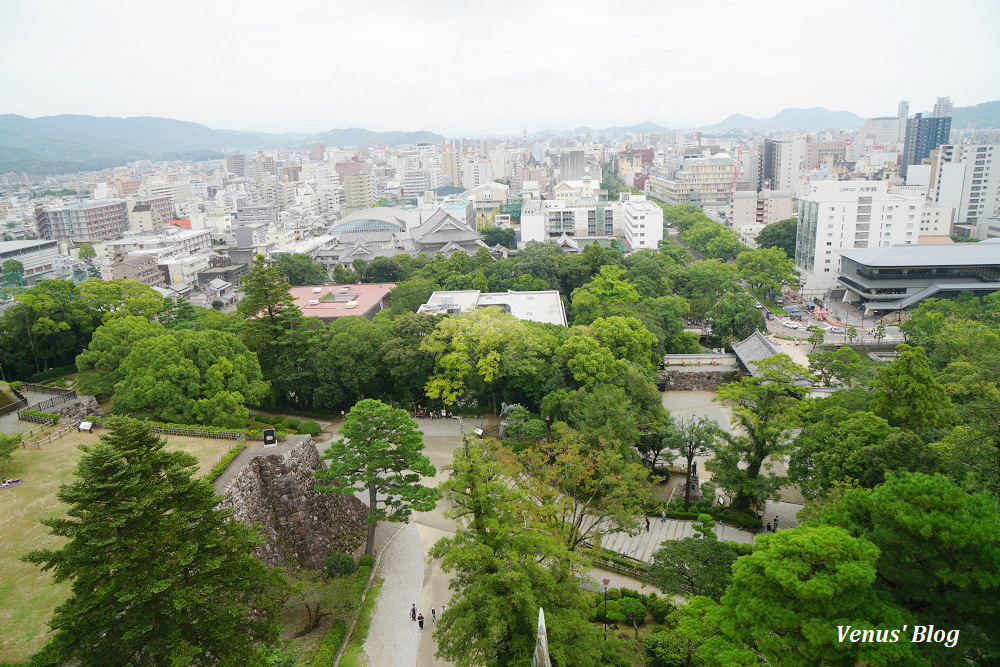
column 784, row 511
column 642, row 546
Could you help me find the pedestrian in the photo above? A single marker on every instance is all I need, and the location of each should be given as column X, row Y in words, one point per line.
column 420, row 620
column 663, row 516
column 442, row 611
column 776, row 523
column 433, row 616
column 647, row 524
column 768, row 527
column 413, row 613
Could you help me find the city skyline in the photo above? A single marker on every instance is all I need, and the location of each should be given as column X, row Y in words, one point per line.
column 447, row 68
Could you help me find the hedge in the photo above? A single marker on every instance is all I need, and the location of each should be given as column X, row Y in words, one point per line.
column 366, row 561
column 360, row 581
column 42, row 415
column 338, row 565
column 53, row 373
column 310, row 428
column 224, row 462
column 331, row 642
column 16, row 383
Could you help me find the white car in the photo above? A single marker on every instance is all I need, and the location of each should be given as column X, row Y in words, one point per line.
column 838, row 330
column 791, row 325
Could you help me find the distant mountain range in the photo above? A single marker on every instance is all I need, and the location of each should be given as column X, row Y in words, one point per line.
column 69, row 143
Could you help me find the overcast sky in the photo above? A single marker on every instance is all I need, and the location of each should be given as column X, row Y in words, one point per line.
column 461, row 67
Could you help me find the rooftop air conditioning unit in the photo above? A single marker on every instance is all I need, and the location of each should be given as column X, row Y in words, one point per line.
column 313, row 302
column 317, row 290
column 351, row 304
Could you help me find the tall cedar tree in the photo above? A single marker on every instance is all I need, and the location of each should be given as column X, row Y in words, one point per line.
column 380, row 452
column 159, row 575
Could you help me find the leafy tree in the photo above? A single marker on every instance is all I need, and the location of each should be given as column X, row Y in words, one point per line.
column 906, row 394
column 13, row 266
column 606, row 288
column 766, row 269
column 852, row 333
column 407, row 364
column 734, row 317
column 9, row 443
column 191, row 377
column 87, row 253
column 503, row 569
column 702, row 283
column 589, row 362
column 347, row 363
column 779, row 235
column 766, row 408
column 410, row 294
column 841, row 365
column 726, row 246
column 690, row 437
column 579, row 492
column 159, row 575
column 383, row 270
column 266, row 291
column 693, row 566
column 113, row 298
column 480, row 351
column 109, row 347
column 788, row 597
column 879, row 333
column 300, row 270
column 380, row 452
column 938, row 556
column 493, row 236
column 52, row 319
column 633, row 611
column 816, row 338
column 627, row 339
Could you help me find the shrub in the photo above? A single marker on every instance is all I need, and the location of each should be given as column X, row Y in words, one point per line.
column 224, row 462
column 597, row 616
column 310, row 428
column 745, row 520
column 741, row 548
column 360, row 581
column 660, row 608
column 614, row 594
column 629, row 593
column 291, row 422
column 331, row 642
column 337, row 565
column 53, row 373
column 42, row 415
column 366, row 561
column 16, row 384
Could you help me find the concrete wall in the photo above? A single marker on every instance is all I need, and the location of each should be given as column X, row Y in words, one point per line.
column 300, row 526
column 667, row 380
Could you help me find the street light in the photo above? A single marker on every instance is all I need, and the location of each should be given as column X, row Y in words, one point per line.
column 548, row 426
column 604, row 588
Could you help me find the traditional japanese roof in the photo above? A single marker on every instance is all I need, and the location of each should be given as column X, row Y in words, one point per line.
column 755, row 348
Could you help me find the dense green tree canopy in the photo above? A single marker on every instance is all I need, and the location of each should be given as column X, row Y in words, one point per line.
column 300, row 270
column 779, row 235
column 191, row 377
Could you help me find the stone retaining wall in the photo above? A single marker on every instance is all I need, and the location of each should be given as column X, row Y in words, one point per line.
column 300, row 525
column 78, row 410
column 667, row 380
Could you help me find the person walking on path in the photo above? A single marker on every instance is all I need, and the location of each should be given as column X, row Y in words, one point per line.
column 420, row 620
column 433, row 616
column 413, row 613
column 442, row 611
column 663, row 516
column 647, row 524
column 775, row 523
column 769, row 528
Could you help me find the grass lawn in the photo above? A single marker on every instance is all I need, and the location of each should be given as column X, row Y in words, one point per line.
column 27, row 596
column 354, row 653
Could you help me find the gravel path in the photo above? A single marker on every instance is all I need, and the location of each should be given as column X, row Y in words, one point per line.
column 393, row 637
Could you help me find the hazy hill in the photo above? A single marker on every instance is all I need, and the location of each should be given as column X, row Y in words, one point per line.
column 816, row 118
column 979, row 116
column 73, row 143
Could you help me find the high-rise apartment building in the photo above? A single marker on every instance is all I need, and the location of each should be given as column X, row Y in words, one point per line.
column 924, row 135
column 94, row 220
column 237, row 164
column 967, row 178
column 942, row 108
column 318, row 151
column 781, row 165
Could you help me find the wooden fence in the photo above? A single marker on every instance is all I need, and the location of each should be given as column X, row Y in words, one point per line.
column 38, row 429
column 45, row 389
column 19, row 405
column 50, row 403
column 25, row 417
column 220, row 434
column 37, row 444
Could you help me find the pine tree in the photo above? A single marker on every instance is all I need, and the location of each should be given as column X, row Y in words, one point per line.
column 159, row 575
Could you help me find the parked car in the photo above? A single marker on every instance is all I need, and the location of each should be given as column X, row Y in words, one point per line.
column 791, row 325
column 758, row 306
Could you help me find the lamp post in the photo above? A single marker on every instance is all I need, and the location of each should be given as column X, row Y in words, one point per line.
column 604, row 588
column 548, row 426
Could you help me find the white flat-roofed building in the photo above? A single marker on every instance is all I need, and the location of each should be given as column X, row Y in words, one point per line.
column 183, row 270
column 84, row 221
column 841, row 215
column 536, row 306
column 694, row 180
column 633, row 218
column 38, row 258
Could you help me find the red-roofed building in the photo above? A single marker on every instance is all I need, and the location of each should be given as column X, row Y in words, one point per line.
column 328, row 302
column 186, row 224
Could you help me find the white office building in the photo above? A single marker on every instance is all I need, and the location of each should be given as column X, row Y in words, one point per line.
column 967, row 178
column 638, row 221
column 838, row 215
